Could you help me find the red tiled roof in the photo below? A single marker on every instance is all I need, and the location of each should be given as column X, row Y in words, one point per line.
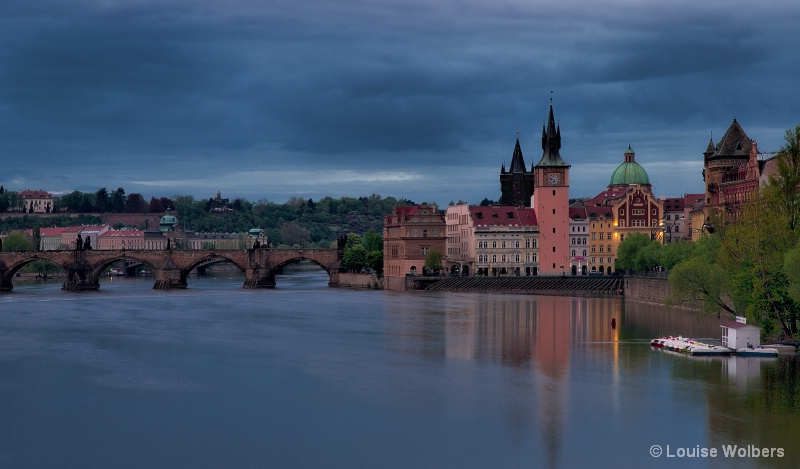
column 51, row 231
column 503, row 215
column 122, row 234
column 577, row 213
column 27, row 194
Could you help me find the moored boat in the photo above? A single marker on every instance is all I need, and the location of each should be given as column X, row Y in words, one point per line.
column 757, row 352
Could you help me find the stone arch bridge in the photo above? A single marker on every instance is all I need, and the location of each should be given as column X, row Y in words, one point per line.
column 171, row 268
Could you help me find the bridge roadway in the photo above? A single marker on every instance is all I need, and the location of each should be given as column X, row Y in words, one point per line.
column 83, row 268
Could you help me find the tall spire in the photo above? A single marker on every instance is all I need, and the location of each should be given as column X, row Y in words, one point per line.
column 517, row 161
column 551, row 141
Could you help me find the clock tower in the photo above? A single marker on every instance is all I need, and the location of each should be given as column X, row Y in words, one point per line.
column 551, row 201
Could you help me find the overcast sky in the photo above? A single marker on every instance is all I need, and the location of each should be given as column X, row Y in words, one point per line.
column 275, row 99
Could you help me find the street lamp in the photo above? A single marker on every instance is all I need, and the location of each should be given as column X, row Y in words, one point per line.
column 672, row 227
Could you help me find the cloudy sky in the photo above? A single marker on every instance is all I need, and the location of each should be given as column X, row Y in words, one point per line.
column 272, row 99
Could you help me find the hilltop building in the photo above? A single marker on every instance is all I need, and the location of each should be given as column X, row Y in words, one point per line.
column 36, row 201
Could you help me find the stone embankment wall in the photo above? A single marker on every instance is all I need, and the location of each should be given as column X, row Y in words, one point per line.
column 359, row 280
column 647, row 289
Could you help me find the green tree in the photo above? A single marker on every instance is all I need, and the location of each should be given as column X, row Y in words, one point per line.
column 628, row 249
column 433, row 260
column 787, row 179
column 292, row 234
column 375, row 261
column 101, row 199
column 17, row 242
column 373, row 241
column 753, row 249
column 355, row 258
column 701, row 282
column 116, row 201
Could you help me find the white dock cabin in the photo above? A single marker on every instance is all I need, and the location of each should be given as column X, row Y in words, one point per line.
column 737, row 335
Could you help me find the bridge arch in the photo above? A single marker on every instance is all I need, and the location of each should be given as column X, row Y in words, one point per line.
column 98, row 268
column 7, row 274
column 285, row 262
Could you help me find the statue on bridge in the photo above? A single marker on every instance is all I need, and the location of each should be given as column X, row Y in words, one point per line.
column 87, row 244
column 79, row 243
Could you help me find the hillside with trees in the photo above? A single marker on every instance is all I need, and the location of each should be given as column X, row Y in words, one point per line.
column 299, row 221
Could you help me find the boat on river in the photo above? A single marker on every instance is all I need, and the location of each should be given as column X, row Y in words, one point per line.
column 757, row 352
column 693, row 347
column 689, row 346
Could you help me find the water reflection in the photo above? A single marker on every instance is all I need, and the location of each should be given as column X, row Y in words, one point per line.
column 308, row 376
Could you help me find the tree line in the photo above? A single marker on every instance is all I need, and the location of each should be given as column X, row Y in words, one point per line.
column 298, row 222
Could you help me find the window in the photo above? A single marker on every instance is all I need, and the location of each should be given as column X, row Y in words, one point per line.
column 584, row 253
column 527, row 243
column 527, row 257
column 516, row 244
column 516, row 258
column 594, row 236
column 503, row 258
column 601, row 236
column 601, row 248
column 503, row 245
column 494, row 257
column 573, row 253
column 494, row 244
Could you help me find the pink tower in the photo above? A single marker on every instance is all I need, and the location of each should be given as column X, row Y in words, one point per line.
column 551, row 201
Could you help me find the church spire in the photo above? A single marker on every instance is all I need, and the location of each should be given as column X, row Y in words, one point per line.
column 551, row 142
column 517, row 161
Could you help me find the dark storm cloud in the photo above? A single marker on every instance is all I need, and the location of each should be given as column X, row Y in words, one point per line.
column 420, row 98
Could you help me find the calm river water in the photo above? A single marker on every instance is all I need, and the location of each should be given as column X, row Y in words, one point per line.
column 308, row 376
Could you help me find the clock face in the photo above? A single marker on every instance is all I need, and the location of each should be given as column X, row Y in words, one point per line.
column 552, row 178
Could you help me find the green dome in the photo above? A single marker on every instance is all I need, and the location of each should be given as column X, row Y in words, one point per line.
column 167, row 222
column 629, row 172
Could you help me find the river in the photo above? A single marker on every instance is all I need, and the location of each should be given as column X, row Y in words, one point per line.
column 309, row 376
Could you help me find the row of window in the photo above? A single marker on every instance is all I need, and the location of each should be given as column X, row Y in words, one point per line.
column 514, row 258
column 529, row 243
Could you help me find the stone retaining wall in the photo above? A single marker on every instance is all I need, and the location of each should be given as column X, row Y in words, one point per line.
column 647, row 289
column 359, row 280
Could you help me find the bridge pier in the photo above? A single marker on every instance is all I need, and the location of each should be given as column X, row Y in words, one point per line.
column 255, row 277
column 169, row 278
column 79, row 278
column 5, row 281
